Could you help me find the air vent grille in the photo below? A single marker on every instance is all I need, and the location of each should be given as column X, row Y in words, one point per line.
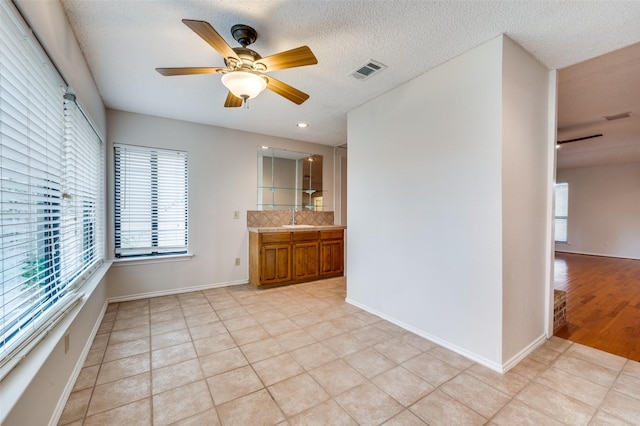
column 368, row 70
column 618, row 116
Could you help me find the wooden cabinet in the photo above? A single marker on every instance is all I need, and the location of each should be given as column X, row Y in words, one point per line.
column 305, row 255
column 331, row 253
column 276, row 263
column 270, row 258
column 277, row 258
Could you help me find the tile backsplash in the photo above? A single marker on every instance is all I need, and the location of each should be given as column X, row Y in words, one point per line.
column 273, row 218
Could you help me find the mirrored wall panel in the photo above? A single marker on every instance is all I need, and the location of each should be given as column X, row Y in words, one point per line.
column 289, row 180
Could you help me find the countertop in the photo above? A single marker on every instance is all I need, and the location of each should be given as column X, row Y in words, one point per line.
column 300, row 229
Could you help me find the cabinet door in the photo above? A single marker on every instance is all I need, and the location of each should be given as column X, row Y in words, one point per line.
column 275, row 263
column 331, row 257
column 305, row 260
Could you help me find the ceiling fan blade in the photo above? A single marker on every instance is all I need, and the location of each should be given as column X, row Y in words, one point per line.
column 298, row 57
column 188, row 71
column 283, row 89
column 232, row 101
column 211, row 36
column 580, row 139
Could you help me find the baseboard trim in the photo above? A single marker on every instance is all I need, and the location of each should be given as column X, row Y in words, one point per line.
column 524, row 353
column 173, row 291
column 55, row 418
column 460, row 351
column 587, row 253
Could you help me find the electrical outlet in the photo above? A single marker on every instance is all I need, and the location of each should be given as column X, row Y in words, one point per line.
column 236, row 214
column 66, row 343
column 237, row 261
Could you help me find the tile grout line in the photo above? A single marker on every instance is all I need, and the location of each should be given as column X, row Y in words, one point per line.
column 325, row 312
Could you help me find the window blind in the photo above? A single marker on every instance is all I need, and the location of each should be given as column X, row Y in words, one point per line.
column 151, row 201
column 49, row 164
column 561, row 192
column 82, row 234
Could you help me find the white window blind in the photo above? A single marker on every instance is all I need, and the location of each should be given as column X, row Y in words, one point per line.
column 50, row 194
column 561, row 192
column 151, row 201
column 82, row 200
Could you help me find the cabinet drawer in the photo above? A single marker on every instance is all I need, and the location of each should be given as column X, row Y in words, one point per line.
column 331, row 235
column 305, row 236
column 276, row 237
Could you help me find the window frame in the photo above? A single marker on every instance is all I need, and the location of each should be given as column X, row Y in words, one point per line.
column 155, row 249
column 561, row 217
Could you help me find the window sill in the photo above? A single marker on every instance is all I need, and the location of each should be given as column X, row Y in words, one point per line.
column 18, row 374
column 132, row 261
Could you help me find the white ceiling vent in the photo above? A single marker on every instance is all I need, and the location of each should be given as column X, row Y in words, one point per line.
column 618, row 116
column 368, row 70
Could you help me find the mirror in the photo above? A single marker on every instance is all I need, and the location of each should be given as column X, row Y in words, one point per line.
column 289, row 179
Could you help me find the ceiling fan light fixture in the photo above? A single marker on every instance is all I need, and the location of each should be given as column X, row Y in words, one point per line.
column 244, row 85
column 243, row 75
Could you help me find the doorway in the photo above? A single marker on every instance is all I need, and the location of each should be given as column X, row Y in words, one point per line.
column 599, row 157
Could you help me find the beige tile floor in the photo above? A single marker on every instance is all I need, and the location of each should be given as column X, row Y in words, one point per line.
column 300, row 355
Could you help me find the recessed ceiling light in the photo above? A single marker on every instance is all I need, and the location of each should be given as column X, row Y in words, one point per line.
column 302, row 125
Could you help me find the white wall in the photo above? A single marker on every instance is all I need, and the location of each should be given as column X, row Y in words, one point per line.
column 424, row 196
column 223, row 166
column 526, row 241
column 426, row 203
column 604, row 210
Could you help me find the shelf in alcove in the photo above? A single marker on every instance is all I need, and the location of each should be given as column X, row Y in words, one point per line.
column 270, row 206
column 276, row 188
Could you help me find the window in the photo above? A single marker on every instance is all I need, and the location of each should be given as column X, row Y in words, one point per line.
column 83, row 194
column 561, row 192
column 51, row 182
column 150, row 201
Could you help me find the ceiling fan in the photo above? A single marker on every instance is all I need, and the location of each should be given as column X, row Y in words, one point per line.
column 244, row 72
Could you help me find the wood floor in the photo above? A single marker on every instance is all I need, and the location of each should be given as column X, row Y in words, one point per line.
column 603, row 302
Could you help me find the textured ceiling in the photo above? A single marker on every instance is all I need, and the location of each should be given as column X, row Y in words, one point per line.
column 587, row 92
column 124, row 41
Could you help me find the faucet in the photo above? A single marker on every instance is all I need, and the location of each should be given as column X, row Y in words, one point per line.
column 293, row 216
